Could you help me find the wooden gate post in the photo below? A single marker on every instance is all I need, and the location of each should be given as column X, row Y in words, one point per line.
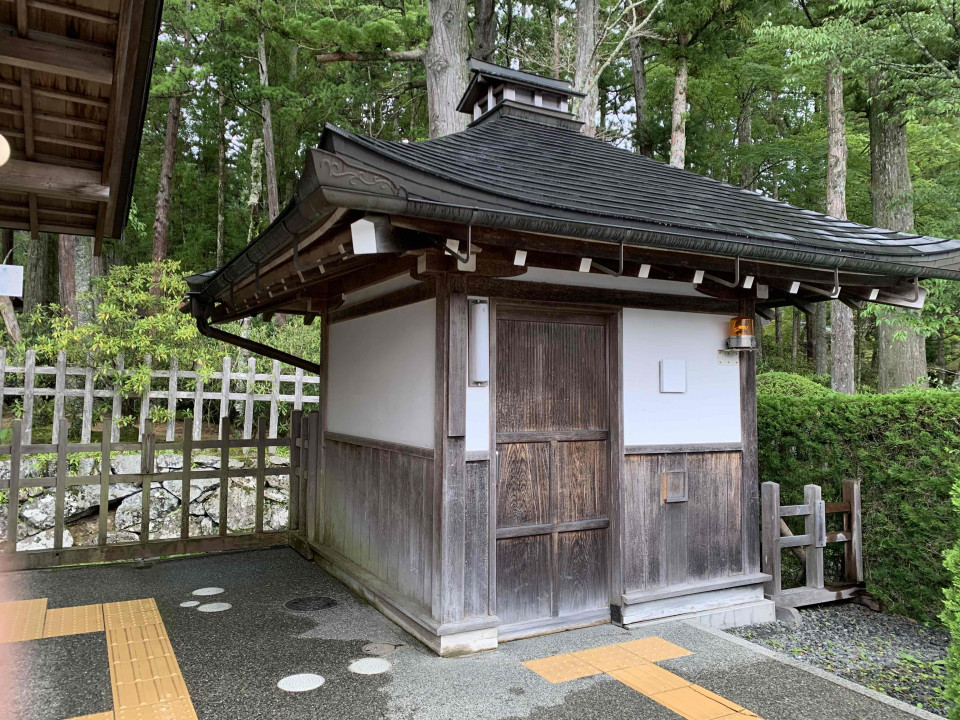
column 296, row 468
column 770, row 539
column 816, row 531
column 853, row 550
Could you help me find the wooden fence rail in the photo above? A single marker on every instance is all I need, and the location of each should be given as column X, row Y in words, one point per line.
column 224, row 387
column 809, row 546
column 147, row 478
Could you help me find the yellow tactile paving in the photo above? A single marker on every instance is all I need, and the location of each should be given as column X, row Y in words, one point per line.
column 609, row 658
column 561, row 668
column 654, row 649
column 632, row 663
column 73, row 620
column 131, row 613
column 733, row 707
column 172, row 710
column 649, row 679
column 22, row 620
column 689, row 703
column 97, row 716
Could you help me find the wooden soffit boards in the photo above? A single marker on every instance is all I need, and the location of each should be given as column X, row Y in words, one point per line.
column 74, row 78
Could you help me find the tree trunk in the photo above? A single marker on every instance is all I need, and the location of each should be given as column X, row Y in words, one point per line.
column 6, row 246
column 445, row 61
column 269, row 151
column 484, row 29
column 38, row 285
column 161, row 219
column 745, row 140
column 555, row 28
column 841, row 323
column 678, row 127
column 778, row 325
column 10, row 320
column 942, row 356
column 83, row 264
column 221, row 172
column 68, row 280
column 585, row 64
column 795, row 337
column 641, row 130
column 901, row 362
column 818, row 339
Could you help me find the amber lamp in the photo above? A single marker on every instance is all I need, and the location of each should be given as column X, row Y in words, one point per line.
column 741, row 334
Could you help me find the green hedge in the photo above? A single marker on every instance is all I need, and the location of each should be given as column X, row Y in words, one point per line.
column 905, row 449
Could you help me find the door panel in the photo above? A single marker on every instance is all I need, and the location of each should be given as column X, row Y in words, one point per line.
column 524, row 499
column 523, row 579
column 552, row 487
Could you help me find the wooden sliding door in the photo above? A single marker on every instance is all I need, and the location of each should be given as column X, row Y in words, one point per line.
column 551, row 424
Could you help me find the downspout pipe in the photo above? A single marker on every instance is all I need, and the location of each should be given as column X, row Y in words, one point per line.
column 249, row 345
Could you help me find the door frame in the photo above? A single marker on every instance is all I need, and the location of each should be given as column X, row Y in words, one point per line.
column 614, row 340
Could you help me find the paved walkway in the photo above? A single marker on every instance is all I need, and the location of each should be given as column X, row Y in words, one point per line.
column 231, row 661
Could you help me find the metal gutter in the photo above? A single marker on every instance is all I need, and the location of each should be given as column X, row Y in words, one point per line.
column 197, row 310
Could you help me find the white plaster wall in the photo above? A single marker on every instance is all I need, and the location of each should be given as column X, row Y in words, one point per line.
column 709, row 410
column 381, row 377
column 598, row 280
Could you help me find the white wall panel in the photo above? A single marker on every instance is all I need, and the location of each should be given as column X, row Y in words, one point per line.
column 381, row 381
column 709, row 410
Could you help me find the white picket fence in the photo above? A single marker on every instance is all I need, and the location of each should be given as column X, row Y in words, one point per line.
column 223, row 387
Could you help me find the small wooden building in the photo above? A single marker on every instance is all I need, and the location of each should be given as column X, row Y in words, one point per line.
column 533, row 418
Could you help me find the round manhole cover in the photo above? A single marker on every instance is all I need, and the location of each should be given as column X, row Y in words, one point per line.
column 310, row 603
column 379, row 649
column 214, row 607
column 369, row 666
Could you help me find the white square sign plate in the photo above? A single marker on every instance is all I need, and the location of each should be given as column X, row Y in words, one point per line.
column 11, row 280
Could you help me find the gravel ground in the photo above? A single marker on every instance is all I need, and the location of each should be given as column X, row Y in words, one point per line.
column 888, row 653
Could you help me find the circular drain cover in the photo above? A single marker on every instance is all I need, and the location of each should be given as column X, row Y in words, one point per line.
column 301, row 683
column 369, row 666
column 190, row 603
column 208, row 591
column 310, row 603
column 214, row 607
column 379, row 649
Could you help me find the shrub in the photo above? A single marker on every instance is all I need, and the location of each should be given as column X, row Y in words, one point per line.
column 951, row 616
column 905, row 450
column 790, row 385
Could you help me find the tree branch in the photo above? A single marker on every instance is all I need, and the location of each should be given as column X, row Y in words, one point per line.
column 415, row 55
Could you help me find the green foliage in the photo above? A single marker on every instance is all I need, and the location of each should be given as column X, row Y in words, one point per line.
column 904, row 449
column 951, row 613
column 782, row 384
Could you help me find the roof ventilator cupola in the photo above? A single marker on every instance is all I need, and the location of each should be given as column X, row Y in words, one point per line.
column 493, row 88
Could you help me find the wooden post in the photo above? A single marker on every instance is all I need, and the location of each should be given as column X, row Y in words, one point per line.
column 13, row 493
column 853, row 550
column 293, row 504
column 198, row 407
column 172, row 399
column 275, row 399
column 104, row 481
column 261, row 472
column 770, row 516
column 61, row 493
column 29, row 368
column 225, row 389
column 186, row 471
column 224, row 472
column 117, row 405
column 749, row 460
column 815, row 528
column 86, row 424
column 145, row 399
column 3, row 378
column 146, row 473
column 248, row 401
column 312, row 520
column 59, row 399
column 307, row 444
column 298, row 389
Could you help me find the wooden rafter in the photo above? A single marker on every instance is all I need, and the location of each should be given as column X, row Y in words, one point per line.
column 53, row 181
column 59, row 59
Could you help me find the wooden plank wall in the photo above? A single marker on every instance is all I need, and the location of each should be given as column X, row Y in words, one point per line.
column 669, row 544
column 477, row 539
column 377, row 507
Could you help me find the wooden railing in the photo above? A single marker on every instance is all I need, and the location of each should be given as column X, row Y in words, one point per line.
column 148, row 476
column 221, row 387
column 776, row 536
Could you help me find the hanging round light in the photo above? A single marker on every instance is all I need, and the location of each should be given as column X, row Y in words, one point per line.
column 4, row 150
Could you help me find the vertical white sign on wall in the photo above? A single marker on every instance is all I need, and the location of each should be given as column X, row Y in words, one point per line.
column 11, row 280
